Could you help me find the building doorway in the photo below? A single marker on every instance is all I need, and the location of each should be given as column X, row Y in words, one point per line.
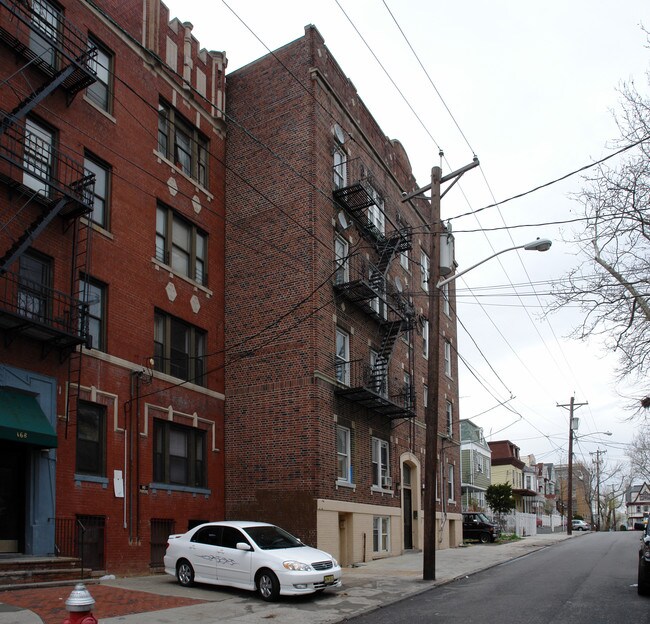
column 407, row 506
column 13, row 471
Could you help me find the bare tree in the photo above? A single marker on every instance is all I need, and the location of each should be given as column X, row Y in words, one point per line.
column 638, row 452
column 611, row 285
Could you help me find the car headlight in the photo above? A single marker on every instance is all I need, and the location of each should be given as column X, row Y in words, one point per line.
column 335, row 563
column 297, row 566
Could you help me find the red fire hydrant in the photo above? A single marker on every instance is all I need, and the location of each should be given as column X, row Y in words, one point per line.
column 79, row 605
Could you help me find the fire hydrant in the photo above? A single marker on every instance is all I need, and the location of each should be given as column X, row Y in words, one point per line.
column 79, row 605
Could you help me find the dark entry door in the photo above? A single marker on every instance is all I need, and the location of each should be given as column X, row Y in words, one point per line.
column 13, row 469
column 408, row 507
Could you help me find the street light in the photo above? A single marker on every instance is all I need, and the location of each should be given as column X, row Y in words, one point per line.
column 433, row 378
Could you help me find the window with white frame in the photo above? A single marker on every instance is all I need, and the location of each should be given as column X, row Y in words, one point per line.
column 342, row 357
column 424, row 271
column 380, row 465
column 100, row 92
column 404, row 259
column 95, row 299
column 407, row 391
column 425, row 339
column 381, row 534
column 376, row 210
column 340, row 168
column 445, row 300
column 45, row 31
column 425, row 395
column 341, row 251
column 450, row 482
column 181, row 245
column 344, row 467
column 378, row 282
column 38, row 158
column 447, row 358
column 449, row 410
column 182, row 143
column 101, row 197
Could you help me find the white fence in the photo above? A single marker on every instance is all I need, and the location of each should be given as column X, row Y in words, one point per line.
column 521, row 524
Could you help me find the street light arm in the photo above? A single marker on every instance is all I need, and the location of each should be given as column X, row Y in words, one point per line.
column 542, row 244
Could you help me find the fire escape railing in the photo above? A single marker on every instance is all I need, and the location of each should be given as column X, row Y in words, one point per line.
column 43, row 35
column 32, row 308
column 372, row 387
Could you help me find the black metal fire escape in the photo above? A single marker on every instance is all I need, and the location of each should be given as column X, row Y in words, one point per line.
column 58, row 56
column 366, row 285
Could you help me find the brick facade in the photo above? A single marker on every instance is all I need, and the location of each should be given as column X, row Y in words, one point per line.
column 288, row 113
column 152, row 60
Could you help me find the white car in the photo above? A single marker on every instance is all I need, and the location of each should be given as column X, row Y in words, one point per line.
column 250, row 555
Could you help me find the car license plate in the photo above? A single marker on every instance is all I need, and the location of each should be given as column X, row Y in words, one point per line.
column 329, row 578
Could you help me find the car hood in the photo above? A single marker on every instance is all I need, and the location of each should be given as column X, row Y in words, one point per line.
column 304, row 554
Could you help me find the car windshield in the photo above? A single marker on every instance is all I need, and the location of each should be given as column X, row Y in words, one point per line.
column 483, row 518
column 272, row 537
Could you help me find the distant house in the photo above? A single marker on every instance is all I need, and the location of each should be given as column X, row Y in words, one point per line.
column 475, row 461
column 637, row 502
column 582, row 490
column 508, row 467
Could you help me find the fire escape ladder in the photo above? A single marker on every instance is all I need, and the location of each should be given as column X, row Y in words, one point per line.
column 391, row 332
column 32, row 232
column 82, row 237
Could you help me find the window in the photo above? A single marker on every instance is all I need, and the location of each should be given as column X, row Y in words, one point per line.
column 46, row 26
column 100, row 91
column 91, row 439
column 101, row 192
column 340, row 168
column 381, row 534
column 378, row 283
column 425, row 339
column 343, row 453
column 34, row 286
column 445, row 300
column 404, row 259
column 179, row 349
column 342, row 357
column 95, row 298
column 376, row 210
column 449, row 410
column 38, row 158
column 179, row 454
column 341, row 250
column 182, row 143
column 424, row 271
column 181, row 245
column 407, row 390
column 447, row 358
column 378, row 374
column 450, row 483
column 380, row 467
column 425, row 396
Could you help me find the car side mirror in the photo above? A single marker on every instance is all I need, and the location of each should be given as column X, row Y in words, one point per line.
column 243, row 546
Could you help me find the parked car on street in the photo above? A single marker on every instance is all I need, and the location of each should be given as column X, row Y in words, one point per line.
column 476, row 525
column 580, row 525
column 250, row 555
column 643, row 581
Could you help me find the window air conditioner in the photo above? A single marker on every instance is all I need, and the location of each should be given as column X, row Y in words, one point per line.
column 387, row 482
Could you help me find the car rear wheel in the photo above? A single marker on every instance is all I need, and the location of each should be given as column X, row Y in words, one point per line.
column 643, row 582
column 185, row 573
column 268, row 585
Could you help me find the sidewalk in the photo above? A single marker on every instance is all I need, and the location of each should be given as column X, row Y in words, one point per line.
column 369, row 586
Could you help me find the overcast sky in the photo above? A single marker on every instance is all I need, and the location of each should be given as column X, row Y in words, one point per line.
column 529, row 88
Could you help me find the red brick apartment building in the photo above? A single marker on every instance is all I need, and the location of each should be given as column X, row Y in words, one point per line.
column 111, row 280
column 327, row 317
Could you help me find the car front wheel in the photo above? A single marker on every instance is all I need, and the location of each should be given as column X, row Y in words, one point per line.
column 268, row 585
column 484, row 538
column 185, row 573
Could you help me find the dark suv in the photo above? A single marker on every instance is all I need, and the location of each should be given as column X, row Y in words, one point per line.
column 477, row 525
column 643, row 583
